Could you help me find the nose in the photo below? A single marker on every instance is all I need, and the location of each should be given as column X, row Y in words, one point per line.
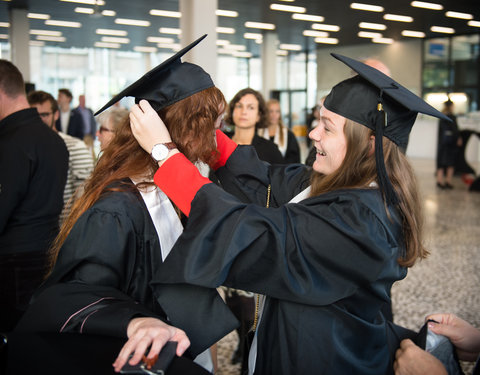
column 314, row 134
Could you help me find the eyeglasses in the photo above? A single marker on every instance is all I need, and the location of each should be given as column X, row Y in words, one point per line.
column 45, row 114
column 102, row 129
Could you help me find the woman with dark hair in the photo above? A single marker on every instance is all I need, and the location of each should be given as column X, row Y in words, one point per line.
column 248, row 112
column 107, row 255
column 323, row 246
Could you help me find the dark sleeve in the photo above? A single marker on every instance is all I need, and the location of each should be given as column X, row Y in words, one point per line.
column 292, row 155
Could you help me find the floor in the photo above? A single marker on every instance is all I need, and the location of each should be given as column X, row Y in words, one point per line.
column 447, row 281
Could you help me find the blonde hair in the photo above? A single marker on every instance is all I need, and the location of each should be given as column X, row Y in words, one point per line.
column 280, row 121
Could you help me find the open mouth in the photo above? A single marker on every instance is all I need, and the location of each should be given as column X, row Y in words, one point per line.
column 321, row 153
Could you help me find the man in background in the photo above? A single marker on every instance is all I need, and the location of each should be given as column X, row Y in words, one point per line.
column 70, row 121
column 80, row 163
column 89, row 123
column 33, row 171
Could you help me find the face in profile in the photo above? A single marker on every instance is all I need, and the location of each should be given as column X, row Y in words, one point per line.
column 245, row 113
column 105, row 133
column 46, row 114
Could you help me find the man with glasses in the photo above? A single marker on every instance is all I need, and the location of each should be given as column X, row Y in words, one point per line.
column 80, row 163
column 33, row 171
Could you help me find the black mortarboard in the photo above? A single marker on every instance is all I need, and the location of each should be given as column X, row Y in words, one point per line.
column 168, row 83
column 376, row 101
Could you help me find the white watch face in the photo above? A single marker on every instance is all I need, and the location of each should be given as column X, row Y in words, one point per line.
column 159, row 152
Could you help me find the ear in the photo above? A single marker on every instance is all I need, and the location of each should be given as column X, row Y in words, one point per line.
column 56, row 115
column 371, row 151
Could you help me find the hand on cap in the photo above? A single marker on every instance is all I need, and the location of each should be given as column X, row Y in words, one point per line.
column 147, row 127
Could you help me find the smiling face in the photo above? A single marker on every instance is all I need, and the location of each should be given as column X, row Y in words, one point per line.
column 246, row 113
column 330, row 142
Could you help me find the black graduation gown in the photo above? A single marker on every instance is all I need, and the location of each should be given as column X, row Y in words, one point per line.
column 326, row 264
column 102, row 279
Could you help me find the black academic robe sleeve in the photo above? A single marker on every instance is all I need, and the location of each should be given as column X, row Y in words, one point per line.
column 292, row 154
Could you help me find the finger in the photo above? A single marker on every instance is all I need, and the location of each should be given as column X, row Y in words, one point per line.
column 145, row 105
column 157, row 345
column 140, row 350
column 183, row 342
column 136, row 109
column 406, row 343
column 123, row 356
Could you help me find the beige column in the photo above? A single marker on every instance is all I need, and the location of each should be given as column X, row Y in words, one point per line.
column 269, row 63
column 20, row 41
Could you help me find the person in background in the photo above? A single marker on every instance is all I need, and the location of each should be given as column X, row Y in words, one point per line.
column 449, row 141
column 279, row 134
column 312, row 153
column 70, row 121
column 412, row 360
column 312, row 120
column 109, row 122
column 80, row 161
column 248, row 113
column 33, row 171
column 89, row 123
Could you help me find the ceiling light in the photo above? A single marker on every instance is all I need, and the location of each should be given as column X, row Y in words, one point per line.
column 145, row 49
column 287, row 8
column 326, row 40
column 373, row 26
column 84, row 10
column 324, row 27
column 242, row 54
column 224, row 51
column 474, row 23
column 396, row 17
column 260, row 25
column 45, row 32
column 235, row 47
column 113, row 39
column 130, row 22
column 291, row 47
column 4, row 24
column 368, row 7
column 90, row 2
column 226, row 13
column 172, row 46
column 63, row 23
column 441, row 29
column 107, row 45
column 170, row 30
column 37, row 43
column 225, row 30
column 50, row 38
column 158, row 39
column 316, row 34
column 307, row 17
column 463, row 16
column 252, row 36
column 38, row 16
column 367, row 34
column 422, row 4
column 282, row 53
column 3, row 36
column 222, row 42
column 383, row 40
column 165, row 13
column 111, row 32
column 109, row 13
column 413, row 34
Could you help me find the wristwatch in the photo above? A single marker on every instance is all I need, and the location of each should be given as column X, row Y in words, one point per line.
column 160, row 150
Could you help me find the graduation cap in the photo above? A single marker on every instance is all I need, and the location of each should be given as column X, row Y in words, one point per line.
column 376, row 101
column 168, row 83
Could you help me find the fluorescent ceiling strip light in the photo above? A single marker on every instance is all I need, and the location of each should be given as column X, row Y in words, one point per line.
column 84, row 10
column 111, row 32
column 260, row 25
column 130, row 22
column 107, row 45
column 291, row 47
column 235, row 47
column 3, row 36
column 315, row 33
column 170, row 30
column 158, row 39
column 226, row 13
column 367, row 34
column 224, row 51
column 463, row 16
column 397, row 17
column 90, row 2
column 413, row 34
column 50, row 38
column 307, row 17
column 45, row 32
column 252, row 36
column 383, row 40
column 242, row 54
column 38, row 16
column 222, row 42
column 63, row 23
column 145, row 49
column 113, row 39
column 165, row 13
column 287, row 8
column 109, row 13
column 326, row 40
column 4, row 24
column 425, row 5
column 325, row 27
column 259, row 41
column 173, row 46
column 37, row 43
column 225, row 30
column 441, row 29
column 367, row 7
column 474, row 23
column 373, row 26
column 282, row 53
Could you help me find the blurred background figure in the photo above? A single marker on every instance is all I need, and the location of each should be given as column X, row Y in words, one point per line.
column 89, row 123
column 312, row 123
column 80, row 162
column 449, row 141
column 279, row 134
column 312, row 120
column 70, row 121
column 109, row 122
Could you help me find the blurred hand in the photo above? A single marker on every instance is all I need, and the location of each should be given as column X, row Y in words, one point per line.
column 463, row 335
column 145, row 332
column 412, row 360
